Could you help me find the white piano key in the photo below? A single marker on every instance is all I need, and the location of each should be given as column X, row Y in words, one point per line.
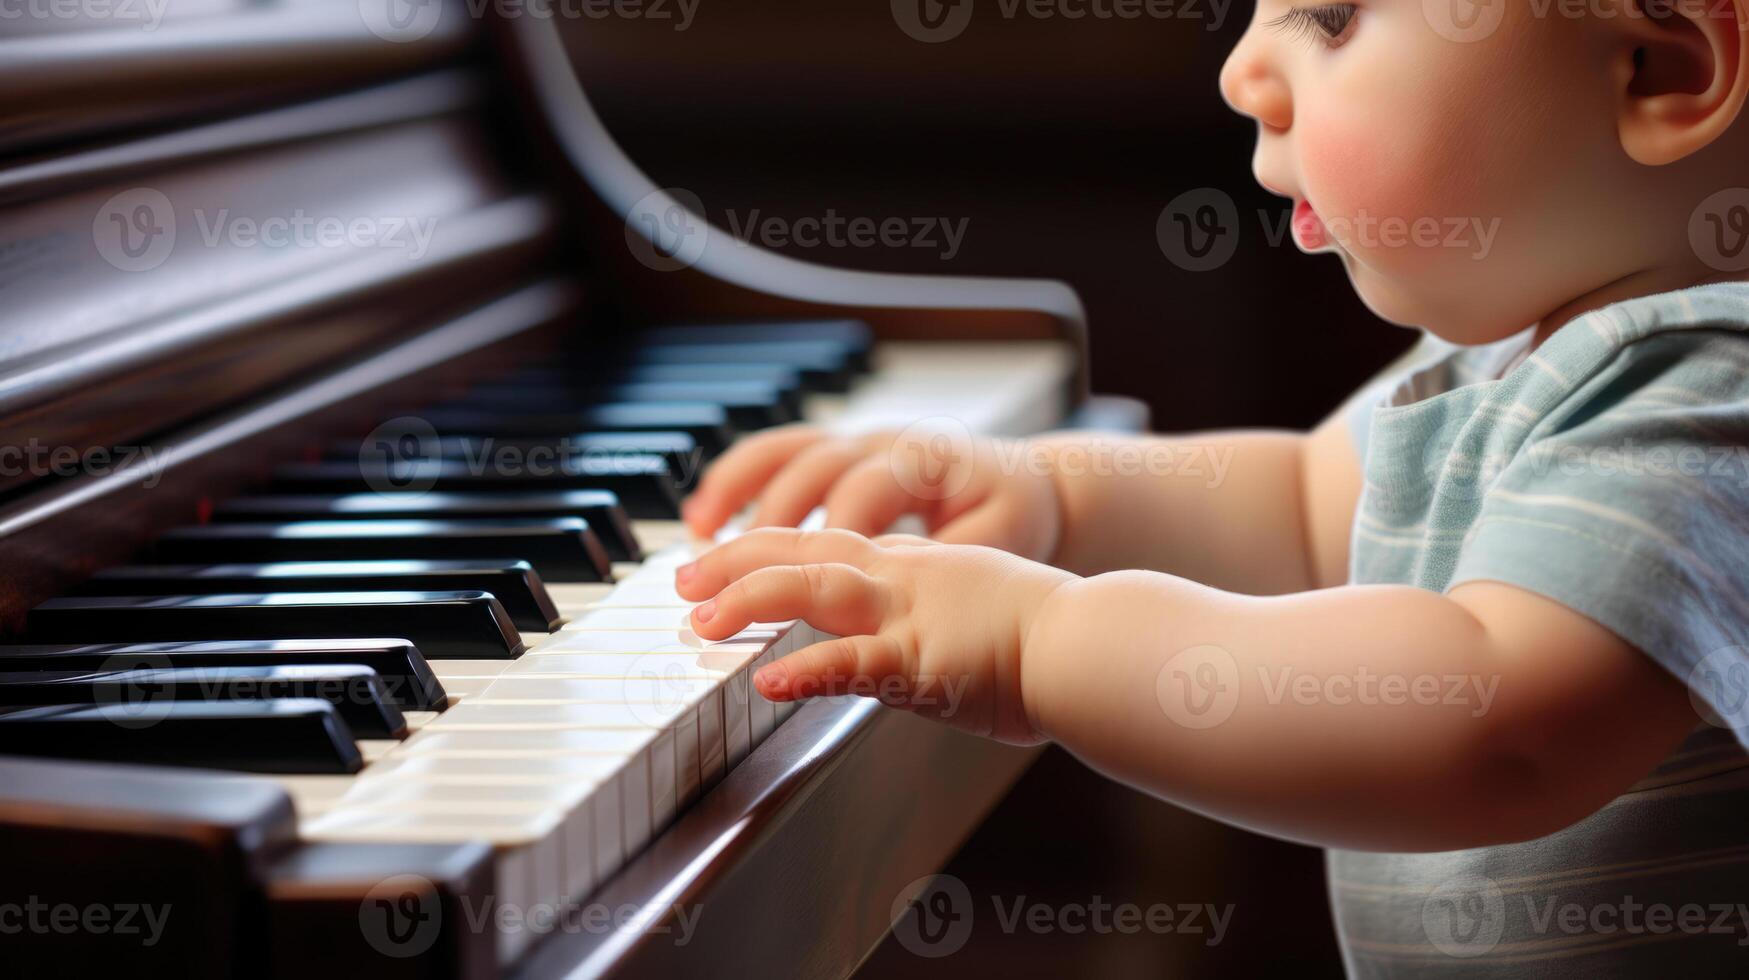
column 654, row 593
column 684, row 663
column 569, row 596
column 646, row 641
column 688, row 750
column 663, row 780
column 713, row 756
column 634, row 688
column 418, row 719
column 459, row 688
column 762, row 714
column 540, row 717
column 494, row 743
column 436, row 767
column 737, row 726
column 662, row 618
column 410, row 793
column 607, row 814
column 373, row 749
column 580, row 850
column 446, row 669
column 636, row 798
column 655, row 535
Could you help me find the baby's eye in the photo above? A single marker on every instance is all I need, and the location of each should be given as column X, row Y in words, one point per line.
column 1328, row 22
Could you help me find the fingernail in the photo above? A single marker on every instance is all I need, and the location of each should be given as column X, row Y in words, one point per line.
column 770, row 676
column 684, row 573
column 705, row 611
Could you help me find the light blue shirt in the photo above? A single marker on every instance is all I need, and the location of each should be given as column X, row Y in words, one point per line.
column 1608, row 471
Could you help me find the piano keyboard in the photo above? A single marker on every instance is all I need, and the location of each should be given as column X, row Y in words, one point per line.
column 557, row 707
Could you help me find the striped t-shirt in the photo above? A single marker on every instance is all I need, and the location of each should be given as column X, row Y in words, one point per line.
column 1608, row 471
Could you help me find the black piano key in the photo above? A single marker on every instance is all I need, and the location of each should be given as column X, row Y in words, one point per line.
column 296, row 735
column 334, row 909
column 600, row 508
column 706, row 423
column 451, row 625
column 406, row 677
column 514, row 583
column 824, row 365
column 854, row 335
column 644, row 484
column 546, row 455
column 750, row 404
column 189, row 845
column 784, row 377
column 562, row 549
column 356, row 692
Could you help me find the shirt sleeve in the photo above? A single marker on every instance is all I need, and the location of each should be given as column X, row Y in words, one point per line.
column 1632, row 508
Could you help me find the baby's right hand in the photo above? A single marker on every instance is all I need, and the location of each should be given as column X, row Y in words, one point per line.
column 993, row 495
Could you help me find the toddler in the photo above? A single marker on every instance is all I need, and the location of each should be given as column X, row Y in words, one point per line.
column 1480, row 633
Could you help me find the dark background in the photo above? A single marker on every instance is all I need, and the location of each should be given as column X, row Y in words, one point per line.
column 1059, row 142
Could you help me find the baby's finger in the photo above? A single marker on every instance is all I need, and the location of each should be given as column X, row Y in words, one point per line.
column 802, row 484
column 897, row 540
column 763, row 547
column 834, row 598
column 846, row 665
column 739, row 474
column 868, row 499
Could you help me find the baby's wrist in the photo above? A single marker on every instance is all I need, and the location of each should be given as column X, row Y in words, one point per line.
column 1046, row 637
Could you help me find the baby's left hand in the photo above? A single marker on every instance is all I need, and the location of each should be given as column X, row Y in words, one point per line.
column 934, row 628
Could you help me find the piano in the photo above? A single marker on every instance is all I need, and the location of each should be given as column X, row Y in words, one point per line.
column 350, row 377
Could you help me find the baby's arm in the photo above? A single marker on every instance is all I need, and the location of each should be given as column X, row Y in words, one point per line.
column 1431, row 722
column 1531, row 716
column 1252, row 511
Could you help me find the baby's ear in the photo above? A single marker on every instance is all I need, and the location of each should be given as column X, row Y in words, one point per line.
column 1682, row 73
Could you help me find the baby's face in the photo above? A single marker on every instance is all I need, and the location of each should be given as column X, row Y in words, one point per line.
column 1469, row 186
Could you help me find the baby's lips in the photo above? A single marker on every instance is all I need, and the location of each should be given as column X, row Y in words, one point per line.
column 1309, row 231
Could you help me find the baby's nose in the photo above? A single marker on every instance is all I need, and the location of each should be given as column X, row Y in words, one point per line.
column 1253, row 87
